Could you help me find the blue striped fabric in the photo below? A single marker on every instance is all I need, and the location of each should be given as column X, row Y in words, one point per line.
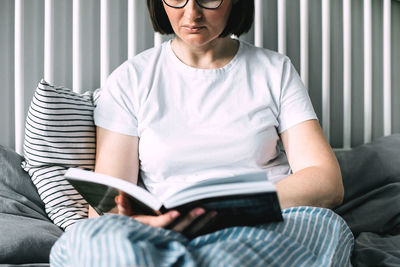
column 308, row 237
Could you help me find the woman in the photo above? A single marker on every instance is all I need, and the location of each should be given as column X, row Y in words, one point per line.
column 206, row 105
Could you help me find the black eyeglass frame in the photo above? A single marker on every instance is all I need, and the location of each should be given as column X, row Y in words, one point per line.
column 197, row 2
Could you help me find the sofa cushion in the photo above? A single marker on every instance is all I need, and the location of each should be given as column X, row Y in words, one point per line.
column 27, row 234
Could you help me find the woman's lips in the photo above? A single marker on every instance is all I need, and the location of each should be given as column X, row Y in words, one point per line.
column 193, row 29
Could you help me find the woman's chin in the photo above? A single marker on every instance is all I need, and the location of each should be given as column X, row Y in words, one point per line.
column 196, row 41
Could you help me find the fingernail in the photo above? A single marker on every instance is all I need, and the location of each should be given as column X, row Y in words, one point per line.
column 199, row 212
column 174, row 214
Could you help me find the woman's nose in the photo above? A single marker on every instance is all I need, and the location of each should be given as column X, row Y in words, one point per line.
column 192, row 10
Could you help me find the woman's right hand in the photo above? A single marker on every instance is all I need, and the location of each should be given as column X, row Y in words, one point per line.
column 166, row 219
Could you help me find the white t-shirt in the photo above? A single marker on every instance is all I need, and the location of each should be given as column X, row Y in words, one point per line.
column 194, row 124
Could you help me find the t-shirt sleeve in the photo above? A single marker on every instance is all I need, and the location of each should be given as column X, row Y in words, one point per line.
column 115, row 109
column 295, row 104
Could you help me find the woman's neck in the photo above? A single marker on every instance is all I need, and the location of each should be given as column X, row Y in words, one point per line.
column 214, row 55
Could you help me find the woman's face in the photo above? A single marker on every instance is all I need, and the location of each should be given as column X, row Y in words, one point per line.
column 197, row 26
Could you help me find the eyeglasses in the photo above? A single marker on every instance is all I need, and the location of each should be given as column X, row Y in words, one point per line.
column 207, row 4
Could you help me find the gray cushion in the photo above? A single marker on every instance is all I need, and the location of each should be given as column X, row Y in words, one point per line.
column 26, row 232
column 371, row 177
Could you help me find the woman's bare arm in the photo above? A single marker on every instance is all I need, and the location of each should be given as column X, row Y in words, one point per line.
column 116, row 155
column 316, row 178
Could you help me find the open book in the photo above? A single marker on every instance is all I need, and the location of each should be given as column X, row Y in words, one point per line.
column 247, row 199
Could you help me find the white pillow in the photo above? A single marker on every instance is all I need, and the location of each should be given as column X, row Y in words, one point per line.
column 59, row 133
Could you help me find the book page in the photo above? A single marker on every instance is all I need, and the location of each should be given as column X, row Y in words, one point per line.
column 237, row 185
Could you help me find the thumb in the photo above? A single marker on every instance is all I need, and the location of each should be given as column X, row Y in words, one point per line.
column 124, row 207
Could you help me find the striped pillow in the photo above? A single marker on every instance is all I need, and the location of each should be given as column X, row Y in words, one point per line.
column 59, row 133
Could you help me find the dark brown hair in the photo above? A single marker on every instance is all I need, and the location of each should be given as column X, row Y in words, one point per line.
column 239, row 22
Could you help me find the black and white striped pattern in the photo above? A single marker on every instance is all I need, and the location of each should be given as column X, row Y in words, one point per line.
column 59, row 133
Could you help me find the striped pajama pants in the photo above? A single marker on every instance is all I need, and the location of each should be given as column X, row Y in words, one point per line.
column 308, row 236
